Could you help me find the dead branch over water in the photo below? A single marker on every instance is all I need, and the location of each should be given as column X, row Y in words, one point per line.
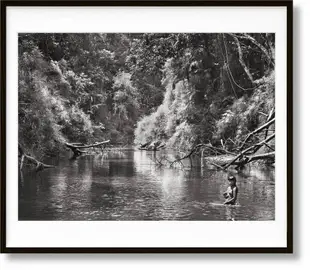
column 75, row 147
column 23, row 156
column 223, row 159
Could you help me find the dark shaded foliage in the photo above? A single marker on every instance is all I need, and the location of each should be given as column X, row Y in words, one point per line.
column 183, row 89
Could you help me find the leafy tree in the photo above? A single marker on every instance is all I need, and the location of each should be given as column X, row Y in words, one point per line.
column 179, row 88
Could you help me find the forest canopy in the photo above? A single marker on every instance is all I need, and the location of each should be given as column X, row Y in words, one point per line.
column 178, row 88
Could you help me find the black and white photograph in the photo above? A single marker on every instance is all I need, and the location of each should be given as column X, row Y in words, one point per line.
column 146, row 126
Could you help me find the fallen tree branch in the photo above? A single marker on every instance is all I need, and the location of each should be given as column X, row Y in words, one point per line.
column 218, row 149
column 70, row 145
column 257, row 146
column 77, row 144
column 39, row 165
column 248, row 159
column 220, row 162
column 187, row 155
column 76, row 151
column 216, row 165
column 270, row 116
column 266, row 125
column 204, row 146
column 270, row 155
column 152, row 146
column 75, row 147
column 268, row 146
column 253, row 147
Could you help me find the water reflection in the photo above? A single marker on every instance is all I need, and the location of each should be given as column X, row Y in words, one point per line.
column 131, row 187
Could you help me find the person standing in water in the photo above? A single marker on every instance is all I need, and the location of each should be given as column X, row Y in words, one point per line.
column 232, row 191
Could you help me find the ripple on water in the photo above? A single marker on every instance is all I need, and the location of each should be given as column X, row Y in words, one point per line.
column 133, row 188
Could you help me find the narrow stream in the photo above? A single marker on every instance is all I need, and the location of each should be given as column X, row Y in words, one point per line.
column 132, row 187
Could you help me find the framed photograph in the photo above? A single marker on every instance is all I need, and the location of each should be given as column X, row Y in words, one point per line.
column 146, row 127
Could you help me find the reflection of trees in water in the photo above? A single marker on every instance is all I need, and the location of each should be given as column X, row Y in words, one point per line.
column 70, row 187
column 117, row 168
column 121, row 165
column 169, row 184
column 262, row 174
column 135, row 188
column 28, row 192
column 180, row 187
column 181, row 190
column 258, row 186
column 99, row 161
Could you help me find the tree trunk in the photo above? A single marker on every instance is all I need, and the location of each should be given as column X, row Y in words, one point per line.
column 75, row 147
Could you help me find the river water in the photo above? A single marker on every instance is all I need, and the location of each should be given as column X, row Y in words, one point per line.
column 130, row 186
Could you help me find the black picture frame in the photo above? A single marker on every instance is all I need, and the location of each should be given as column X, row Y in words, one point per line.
column 235, row 3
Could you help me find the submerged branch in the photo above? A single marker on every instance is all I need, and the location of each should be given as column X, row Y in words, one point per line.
column 39, row 165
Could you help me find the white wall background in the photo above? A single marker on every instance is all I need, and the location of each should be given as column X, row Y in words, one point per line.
column 301, row 258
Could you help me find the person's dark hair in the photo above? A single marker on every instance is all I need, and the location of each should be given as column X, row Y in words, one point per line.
column 232, row 178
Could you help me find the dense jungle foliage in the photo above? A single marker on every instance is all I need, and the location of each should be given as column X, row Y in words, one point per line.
column 182, row 89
